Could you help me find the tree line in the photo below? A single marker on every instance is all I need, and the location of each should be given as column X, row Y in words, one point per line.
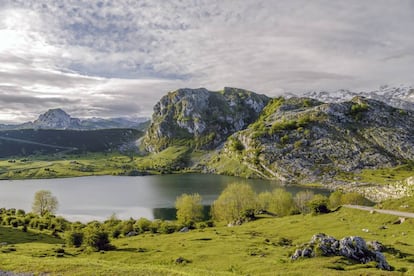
column 238, row 203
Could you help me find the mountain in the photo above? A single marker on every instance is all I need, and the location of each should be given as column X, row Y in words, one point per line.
column 56, row 119
column 397, row 96
column 59, row 119
column 305, row 140
column 201, row 118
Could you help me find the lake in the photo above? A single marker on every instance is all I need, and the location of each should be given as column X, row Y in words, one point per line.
column 98, row 197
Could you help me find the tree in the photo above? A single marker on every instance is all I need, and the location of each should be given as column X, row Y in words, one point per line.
column 44, row 202
column 189, row 208
column 281, row 202
column 354, row 198
column 301, row 200
column 232, row 202
column 335, row 199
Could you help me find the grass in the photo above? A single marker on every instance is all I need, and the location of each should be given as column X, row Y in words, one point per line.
column 381, row 176
column 231, row 166
column 251, row 249
column 405, row 204
column 169, row 160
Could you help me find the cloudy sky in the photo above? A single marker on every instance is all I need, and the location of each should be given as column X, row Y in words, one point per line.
column 117, row 58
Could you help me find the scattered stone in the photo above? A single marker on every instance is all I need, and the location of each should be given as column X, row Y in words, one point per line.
column 365, row 230
column 376, row 246
column 131, row 234
column 382, row 227
column 181, row 260
column 354, row 248
column 399, row 221
column 184, row 230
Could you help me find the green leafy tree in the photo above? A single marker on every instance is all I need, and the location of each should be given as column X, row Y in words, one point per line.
column 263, row 200
column 97, row 238
column 44, row 202
column 354, row 198
column 281, row 202
column 335, row 199
column 189, row 209
column 232, row 202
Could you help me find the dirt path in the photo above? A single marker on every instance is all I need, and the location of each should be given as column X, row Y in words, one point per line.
column 389, row 212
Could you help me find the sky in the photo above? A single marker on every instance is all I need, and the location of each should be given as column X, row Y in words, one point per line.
column 118, row 58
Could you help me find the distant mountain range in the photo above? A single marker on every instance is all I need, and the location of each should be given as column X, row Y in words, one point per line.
column 58, row 119
column 397, row 96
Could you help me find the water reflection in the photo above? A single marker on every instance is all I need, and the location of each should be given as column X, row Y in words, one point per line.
column 99, row 197
column 170, row 213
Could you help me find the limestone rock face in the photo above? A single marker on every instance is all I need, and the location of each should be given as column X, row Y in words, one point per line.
column 304, row 140
column 201, row 118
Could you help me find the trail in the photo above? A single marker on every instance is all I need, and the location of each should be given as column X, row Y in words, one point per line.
column 388, row 212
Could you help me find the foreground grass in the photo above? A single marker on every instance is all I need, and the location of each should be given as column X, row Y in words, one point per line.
column 255, row 248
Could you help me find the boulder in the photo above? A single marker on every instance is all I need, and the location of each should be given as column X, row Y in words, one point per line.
column 184, row 230
column 131, row 234
column 353, row 248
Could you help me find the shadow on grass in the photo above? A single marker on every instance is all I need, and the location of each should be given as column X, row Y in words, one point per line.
column 15, row 236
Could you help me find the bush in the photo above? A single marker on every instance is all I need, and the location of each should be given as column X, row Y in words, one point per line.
column 74, row 238
column 142, row 225
column 167, row 227
column 319, row 205
column 98, row 240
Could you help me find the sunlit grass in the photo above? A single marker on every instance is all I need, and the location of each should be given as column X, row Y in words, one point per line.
column 251, row 249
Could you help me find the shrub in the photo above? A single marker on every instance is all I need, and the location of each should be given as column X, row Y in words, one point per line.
column 74, row 238
column 97, row 239
column 142, row 225
column 318, row 205
column 167, row 227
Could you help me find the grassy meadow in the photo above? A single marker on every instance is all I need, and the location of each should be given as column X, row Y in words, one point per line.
column 166, row 161
column 261, row 247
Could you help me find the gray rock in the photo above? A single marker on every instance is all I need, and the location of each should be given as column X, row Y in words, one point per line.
column 131, row 234
column 354, row 248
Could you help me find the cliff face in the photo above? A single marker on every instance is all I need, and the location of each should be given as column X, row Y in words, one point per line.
column 201, row 118
column 300, row 139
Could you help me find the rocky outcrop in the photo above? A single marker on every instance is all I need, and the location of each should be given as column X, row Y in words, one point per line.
column 201, row 118
column 304, row 140
column 56, row 119
column 353, row 248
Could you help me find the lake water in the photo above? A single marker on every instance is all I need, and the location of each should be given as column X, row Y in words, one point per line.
column 98, row 197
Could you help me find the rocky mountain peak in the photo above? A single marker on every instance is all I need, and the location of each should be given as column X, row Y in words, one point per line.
column 56, row 119
column 201, row 117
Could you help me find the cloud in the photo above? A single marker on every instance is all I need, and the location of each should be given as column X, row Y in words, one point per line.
column 108, row 58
